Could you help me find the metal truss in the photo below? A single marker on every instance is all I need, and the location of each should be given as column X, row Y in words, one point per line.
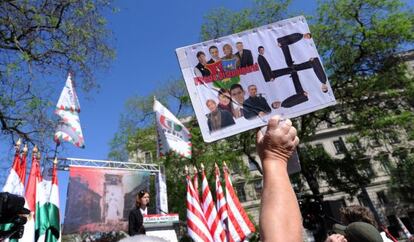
column 65, row 163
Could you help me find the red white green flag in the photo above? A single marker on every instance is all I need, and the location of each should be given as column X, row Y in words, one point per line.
column 34, row 178
column 15, row 185
column 172, row 134
column 47, row 210
column 68, row 108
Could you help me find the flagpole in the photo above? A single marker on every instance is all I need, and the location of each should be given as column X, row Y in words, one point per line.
column 156, row 130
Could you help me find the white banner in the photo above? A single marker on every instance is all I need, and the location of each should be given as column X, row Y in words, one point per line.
column 238, row 82
column 172, row 134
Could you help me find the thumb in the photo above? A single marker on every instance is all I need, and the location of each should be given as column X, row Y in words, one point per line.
column 259, row 135
column 273, row 123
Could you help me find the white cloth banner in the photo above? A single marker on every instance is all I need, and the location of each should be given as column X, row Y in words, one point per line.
column 172, row 135
column 68, row 108
column 238, row 82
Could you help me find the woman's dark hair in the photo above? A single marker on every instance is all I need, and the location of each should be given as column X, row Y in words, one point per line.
column 140, row 194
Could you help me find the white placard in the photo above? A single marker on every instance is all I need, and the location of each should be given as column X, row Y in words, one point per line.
column 238, row 82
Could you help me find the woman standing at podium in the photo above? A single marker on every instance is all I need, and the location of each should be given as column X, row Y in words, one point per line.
column 136, row 216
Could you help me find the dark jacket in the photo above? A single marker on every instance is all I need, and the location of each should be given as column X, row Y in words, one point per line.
column 204, row 71
column 265, row 68
column 253, row 105
column 246, row 59
column 135, row 222
column 226, row 120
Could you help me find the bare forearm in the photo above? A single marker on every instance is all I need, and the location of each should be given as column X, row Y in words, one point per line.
column 280, row 218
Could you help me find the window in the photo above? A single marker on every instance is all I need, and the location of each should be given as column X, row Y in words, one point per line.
column 357, row 145
column 382, row 198
column 147, row 157
column 362, row 200
column 252, row 165
column 258, row 186
column 385, row 162
column 339, row 146
column 319, row 146
column 241, row 193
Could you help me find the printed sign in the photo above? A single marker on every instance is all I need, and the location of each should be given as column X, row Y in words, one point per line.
column 238, row 82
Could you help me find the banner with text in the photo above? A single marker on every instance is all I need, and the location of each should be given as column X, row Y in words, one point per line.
column 238, row 82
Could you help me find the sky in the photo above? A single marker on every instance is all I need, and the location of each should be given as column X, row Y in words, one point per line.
column 146, row 34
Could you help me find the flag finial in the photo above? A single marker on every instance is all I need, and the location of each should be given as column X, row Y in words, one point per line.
column 25, row 149
column 35, row 149
column 186, row 170
column 55, row 161
column 19, row 142
column 202, row 167
column 195, row 169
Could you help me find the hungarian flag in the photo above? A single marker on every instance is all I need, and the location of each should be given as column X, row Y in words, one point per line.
column 15, row 185
column 239, row 224
column 47, row 210
column 42, row 212
column 34, row 178
column 68, row 108
column 172, row 135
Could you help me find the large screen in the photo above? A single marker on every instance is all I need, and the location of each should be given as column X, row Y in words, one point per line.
column 238, row 82
column 99, row 199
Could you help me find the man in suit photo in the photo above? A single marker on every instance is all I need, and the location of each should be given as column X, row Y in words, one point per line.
column 245, row 55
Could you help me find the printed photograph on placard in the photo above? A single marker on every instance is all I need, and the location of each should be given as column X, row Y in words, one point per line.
column 238, row 82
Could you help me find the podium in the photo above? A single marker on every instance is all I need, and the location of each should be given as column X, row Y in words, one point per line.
column 161, row 225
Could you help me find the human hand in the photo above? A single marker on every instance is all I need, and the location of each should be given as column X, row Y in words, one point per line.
column 261, row 114
column 336, row 238
column 278, row 142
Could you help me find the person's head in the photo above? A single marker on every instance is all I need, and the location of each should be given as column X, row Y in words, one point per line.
column 214, row 52
column 261, row 50
column 356, row 213
column 142, row 199
column 228, row 50
column 237, row 93
column 201, row 57
column 307, row 36
column 252, row 90
column 239, row 46
column 224, row 97
column 358, row 232
column 211, row 105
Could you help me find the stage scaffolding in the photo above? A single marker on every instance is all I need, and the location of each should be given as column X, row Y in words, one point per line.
column 158, row 171
column 65, row 163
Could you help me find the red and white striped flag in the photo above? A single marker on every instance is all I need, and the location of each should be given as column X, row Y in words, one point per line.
column 221, row 200
column 210, row 212
column 239, row 224
column 196, row 223
column 195, row 183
